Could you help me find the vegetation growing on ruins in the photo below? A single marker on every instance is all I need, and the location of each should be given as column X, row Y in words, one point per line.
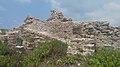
column 103, row 58
column 9, row 57
column 46, row 54
column 3, row 31
column 53, row 54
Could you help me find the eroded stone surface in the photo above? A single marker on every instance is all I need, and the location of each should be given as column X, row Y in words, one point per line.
column 86, row 36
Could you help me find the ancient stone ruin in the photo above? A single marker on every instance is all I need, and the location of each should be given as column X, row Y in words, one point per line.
column 81, row 37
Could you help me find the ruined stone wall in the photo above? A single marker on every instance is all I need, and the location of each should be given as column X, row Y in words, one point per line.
column 83, row 35
column 60, row 29
column 100, row 34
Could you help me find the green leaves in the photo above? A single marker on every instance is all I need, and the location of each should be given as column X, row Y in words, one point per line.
column 104, row 58
column 9, row 57
column 53, row 54
column 49, row 53
column 4, row 49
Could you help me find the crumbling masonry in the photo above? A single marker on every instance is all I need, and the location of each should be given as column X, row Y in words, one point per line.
column 81, row 37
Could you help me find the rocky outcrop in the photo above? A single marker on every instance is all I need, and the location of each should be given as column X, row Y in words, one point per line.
column 81, row 37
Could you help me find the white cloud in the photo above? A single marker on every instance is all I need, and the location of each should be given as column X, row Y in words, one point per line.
column 24, row 1
column 90, row 10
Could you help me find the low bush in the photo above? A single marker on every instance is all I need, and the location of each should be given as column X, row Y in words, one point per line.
column 46, row 54
column 53, row 54
column 103, row 58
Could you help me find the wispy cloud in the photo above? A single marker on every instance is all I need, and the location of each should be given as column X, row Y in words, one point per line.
column 24, row 1
column 90, row 10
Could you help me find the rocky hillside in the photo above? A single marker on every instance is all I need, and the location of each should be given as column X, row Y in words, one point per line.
column 81, row 37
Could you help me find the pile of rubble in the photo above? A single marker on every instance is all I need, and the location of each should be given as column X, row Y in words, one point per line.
column 81, row 37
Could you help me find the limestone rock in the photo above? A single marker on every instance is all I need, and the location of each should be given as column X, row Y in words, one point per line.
column 76, row 34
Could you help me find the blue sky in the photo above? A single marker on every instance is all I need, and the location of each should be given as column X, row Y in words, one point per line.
column 13, row 12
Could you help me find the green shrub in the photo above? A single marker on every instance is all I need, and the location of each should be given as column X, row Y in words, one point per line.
column 104, row 58
column 9, row 57
column 53, row 54
column 46, row 53
column 4, row 49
